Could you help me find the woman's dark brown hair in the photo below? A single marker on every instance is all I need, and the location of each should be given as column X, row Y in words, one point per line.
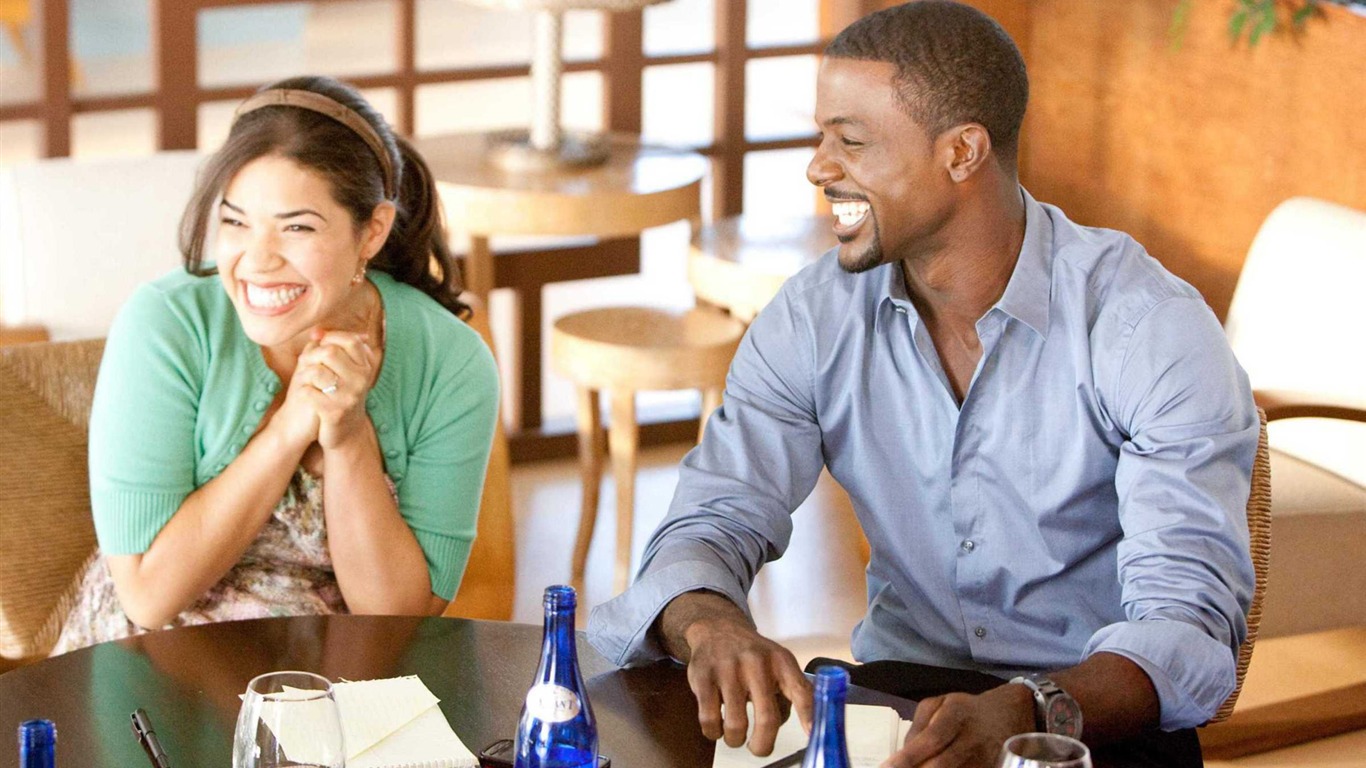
column 416, row 252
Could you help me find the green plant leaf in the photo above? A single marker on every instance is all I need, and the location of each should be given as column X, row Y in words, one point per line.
column 1236, row 22
column 1303, row 13
column 1265, row 24
column 1176, row 33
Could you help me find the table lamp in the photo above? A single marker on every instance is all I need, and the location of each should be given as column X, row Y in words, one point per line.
column 546, row 146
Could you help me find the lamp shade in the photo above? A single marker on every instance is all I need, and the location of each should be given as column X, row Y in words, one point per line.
column 545, row 145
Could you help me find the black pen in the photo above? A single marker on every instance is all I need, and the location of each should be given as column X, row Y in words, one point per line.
column 142, row 728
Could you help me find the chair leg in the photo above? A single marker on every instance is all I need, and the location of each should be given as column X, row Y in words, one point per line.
column 711, row 400
column 624, row 440
column 590, row 471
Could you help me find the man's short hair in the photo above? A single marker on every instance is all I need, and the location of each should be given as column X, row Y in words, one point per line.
column 954, row 65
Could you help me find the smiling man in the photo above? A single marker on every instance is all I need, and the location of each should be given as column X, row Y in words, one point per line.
column 1043, row 433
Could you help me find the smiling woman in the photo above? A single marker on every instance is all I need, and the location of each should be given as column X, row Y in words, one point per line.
column 308, row 432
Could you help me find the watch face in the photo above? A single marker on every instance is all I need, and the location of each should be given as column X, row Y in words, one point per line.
column 1064, row 716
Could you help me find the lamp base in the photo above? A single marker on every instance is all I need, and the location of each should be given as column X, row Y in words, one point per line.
column 511, row 150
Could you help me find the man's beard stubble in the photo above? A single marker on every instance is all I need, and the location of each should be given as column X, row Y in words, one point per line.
column 870, row 257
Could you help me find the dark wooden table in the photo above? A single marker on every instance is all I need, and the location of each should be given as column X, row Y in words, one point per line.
column 188, row 680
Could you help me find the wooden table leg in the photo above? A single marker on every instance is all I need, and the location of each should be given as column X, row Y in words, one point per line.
column 590, row 474
column 479, row 268
column 624, row 439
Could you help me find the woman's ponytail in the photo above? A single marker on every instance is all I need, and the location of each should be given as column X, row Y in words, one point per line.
column 416, row 252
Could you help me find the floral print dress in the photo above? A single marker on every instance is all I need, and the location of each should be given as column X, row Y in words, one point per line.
column 287, row 571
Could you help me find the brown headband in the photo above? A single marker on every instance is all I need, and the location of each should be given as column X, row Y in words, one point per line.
column 316, row 102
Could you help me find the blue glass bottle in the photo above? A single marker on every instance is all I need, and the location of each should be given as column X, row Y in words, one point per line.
column 37, row 744
column 557, row 729
column 827, row 747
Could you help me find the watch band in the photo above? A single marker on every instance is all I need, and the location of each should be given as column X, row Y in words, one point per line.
column 1045, row 691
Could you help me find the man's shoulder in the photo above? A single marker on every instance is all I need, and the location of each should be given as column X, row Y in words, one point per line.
column 1123, row 279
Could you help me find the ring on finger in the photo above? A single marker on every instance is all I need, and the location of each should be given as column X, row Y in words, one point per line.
column 330, row 388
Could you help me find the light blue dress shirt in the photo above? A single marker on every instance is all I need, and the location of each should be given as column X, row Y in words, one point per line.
column 1088, row 495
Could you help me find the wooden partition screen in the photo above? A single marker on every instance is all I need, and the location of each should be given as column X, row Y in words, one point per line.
column 177, row 95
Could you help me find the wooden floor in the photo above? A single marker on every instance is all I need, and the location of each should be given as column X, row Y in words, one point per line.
column 816, row 589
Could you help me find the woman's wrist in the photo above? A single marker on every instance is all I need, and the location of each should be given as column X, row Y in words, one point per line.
column 356, row 444
column 282, row 442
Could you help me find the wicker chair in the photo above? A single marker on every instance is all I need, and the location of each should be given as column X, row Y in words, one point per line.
column 45, row 396
column 45, row 392
column 1259, row 530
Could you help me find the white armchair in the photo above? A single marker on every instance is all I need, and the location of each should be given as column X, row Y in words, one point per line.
column 1296, row 325
column 1297, row 328
column 76, row 237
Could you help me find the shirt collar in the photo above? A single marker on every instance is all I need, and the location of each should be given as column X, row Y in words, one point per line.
column 1027, row 293
column 894, row 297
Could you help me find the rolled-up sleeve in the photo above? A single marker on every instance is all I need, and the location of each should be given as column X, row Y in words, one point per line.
column 1183, row 481
column 759, row 459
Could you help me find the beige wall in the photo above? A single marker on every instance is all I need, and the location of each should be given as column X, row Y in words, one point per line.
column 1187, row 149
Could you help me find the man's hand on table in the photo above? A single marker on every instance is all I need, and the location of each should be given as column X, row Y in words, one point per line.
column 1116, row 697
column 731, row 664
column 964, row 730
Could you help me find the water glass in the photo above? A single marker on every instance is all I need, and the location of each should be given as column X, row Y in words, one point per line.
column 1044, row 750
column 289, row 719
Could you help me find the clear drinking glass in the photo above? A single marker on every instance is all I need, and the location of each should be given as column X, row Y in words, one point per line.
column 1044, row 750
column 289, row 719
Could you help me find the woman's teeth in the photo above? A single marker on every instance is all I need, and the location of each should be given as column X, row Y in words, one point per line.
column 850, row 212
column 272, row 297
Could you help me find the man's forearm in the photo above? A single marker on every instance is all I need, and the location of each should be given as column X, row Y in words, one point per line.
column 685, row 611
column 1116, row 697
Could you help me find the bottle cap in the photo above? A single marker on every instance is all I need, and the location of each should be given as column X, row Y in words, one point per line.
column 831, row 679
column 37, row 734
column 560, row 597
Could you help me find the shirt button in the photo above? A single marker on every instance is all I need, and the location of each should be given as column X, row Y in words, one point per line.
column 980, row 631
column 236, row 447
column 273, row 387
column 392, row 453
column 901, row 310
column 382, row 428
column 246, row 429
column 260, row 406
column 969, row 545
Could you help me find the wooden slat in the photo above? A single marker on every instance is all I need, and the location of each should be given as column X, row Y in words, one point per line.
column 407, row 66
column 625, row 62
column 22, row 334
column 534, row 268
column 728, row 170
column 175, row 42
column 30, row 111
column 776, row 51
column 57, row 78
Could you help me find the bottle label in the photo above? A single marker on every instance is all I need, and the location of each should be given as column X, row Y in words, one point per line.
column 552, row 703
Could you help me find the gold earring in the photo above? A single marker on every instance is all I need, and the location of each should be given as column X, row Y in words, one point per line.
column 360, row 275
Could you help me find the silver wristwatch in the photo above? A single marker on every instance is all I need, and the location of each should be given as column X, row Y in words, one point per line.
column 1054, row 710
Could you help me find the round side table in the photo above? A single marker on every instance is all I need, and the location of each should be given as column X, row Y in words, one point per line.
column 740, row 262
column 637, row 188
